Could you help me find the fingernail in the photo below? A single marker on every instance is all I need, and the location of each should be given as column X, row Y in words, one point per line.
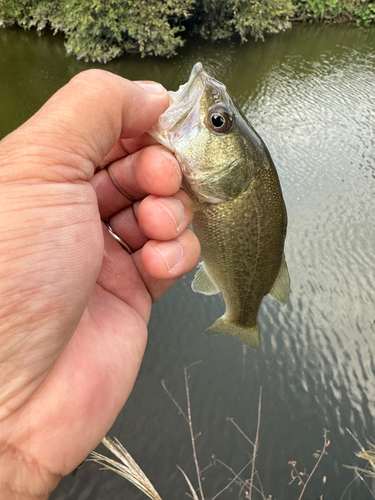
column 172, row 253
column 152, row 87
column 174, row 208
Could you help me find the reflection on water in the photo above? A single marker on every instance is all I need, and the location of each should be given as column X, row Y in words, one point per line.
column 310, row 93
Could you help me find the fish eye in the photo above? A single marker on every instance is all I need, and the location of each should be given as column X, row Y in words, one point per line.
column 219, row 120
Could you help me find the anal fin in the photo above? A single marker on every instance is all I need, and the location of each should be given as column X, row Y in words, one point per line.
column 280, row 289
column 249, row 335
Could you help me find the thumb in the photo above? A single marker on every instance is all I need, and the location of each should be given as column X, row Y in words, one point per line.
column 71, row 134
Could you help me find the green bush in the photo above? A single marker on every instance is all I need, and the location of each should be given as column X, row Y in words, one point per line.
column 361, row 11
column 217, row 19
column 364, row 12
column 99, row 30
column 319, row 10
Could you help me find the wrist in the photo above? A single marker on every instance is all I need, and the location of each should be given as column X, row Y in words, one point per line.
column 22, row 477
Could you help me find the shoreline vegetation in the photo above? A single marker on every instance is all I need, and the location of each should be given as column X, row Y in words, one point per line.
column 248, row 479
column 100, row 30
column 250, row 488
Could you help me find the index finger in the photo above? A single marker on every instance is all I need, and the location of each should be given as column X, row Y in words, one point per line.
column 124, row 147
column 72, row 133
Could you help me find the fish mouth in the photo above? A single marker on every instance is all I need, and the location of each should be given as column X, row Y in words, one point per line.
column 184, row 99
column 184, row 90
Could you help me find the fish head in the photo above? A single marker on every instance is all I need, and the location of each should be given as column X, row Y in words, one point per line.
column 216, row 147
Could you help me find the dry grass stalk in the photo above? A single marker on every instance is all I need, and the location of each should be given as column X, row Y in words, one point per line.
column 193, row 492
column 299, row 476
column 256, row 444
column 199, row 475
column 248, row 484
column 189, row 420
column 244, row 483
column 369, row 456
column 240, row 430
column 128, row 468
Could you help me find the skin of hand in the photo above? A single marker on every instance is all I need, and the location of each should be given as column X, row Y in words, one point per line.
column 74, row 305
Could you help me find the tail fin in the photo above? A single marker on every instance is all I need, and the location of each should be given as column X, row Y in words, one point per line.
column 249, row 335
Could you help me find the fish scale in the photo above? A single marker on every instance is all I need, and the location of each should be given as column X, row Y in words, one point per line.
column 255, row 256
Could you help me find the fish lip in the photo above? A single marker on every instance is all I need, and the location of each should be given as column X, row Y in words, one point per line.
column 184, row 90
column 184, row 99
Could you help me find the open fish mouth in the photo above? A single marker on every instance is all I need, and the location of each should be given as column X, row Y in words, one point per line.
column 184, row 99
column 183, row 111
column 184, row 89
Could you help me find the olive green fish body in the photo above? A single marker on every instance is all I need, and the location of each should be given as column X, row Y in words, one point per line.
column 242, row 245
column 242, row 249
column 240, row 217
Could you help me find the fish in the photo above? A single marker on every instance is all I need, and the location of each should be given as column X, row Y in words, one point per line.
column 240, row 216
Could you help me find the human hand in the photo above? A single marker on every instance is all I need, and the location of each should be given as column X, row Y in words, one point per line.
column 74, row 305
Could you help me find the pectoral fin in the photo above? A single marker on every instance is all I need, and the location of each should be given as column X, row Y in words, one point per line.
column 202, row 282
column 247, row 335
column 281, row 287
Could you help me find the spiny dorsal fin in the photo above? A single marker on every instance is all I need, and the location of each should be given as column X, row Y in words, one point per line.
column 280, row 289
column 202, row 282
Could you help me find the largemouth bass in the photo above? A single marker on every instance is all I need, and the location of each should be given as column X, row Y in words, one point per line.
column 240, row 217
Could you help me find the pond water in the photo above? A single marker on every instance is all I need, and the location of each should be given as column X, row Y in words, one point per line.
column 310, row 93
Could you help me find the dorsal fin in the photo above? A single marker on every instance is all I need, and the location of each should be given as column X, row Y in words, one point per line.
column 280, row 289
column 202, row 282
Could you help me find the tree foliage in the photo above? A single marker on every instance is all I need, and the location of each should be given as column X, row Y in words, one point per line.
column 100, row 30
column 361, row 11
column 217, row 19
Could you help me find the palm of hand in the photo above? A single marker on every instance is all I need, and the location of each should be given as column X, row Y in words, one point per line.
column 75, row 304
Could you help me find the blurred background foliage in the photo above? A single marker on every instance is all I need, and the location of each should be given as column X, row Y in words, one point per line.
column 100, row 30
